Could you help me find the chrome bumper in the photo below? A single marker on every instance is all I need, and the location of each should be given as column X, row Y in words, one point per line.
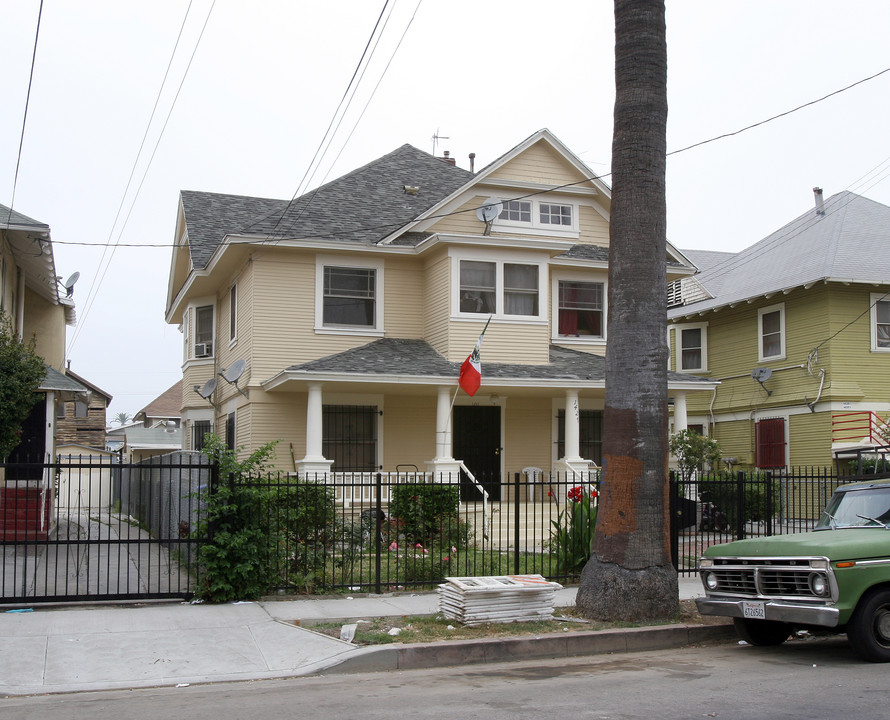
column 777, row 610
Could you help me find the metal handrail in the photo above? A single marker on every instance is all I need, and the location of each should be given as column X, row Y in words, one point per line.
column 485, row 517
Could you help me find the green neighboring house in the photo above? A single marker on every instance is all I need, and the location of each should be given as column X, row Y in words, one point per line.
column 796, row 329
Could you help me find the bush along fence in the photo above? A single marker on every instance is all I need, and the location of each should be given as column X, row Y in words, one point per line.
column 379, row 532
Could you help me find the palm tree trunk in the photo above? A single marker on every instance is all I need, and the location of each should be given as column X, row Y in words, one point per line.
column 629, row 575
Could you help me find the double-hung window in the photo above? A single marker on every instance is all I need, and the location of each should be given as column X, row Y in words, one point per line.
column 204, row 331
column 581, row 309
column 350, row 295
column 508, row 289
column 692, row 348
column 771, row 321
column 880, row 322
column 233, row 313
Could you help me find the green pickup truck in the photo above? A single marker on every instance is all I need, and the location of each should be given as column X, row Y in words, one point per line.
column 835, row 578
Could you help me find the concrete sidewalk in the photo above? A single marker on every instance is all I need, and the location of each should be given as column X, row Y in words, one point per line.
column 68, row 649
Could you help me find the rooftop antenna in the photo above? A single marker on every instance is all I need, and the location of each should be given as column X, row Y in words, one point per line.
column 235, row 371
column 436, row 138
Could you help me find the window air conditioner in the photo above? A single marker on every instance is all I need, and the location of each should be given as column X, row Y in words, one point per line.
column 203, row 350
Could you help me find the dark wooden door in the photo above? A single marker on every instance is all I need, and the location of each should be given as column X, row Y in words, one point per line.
column 477, row 441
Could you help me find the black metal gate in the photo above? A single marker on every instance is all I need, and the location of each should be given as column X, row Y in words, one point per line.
column 89, row 528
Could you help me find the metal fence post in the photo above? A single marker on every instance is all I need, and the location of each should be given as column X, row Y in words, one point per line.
column 378, row 545
column 740, row 505
column 516, row 523
column 673, row 497
column 769, row 503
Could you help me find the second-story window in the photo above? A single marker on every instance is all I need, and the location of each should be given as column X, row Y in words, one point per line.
column 349, row 296
column 880, row 323
column 580, row 309
column 516, row 211
column 478, row 287
column 772, row 332
column 204, row 331
column 692, row 342
column 500, row 288
column 233, row 313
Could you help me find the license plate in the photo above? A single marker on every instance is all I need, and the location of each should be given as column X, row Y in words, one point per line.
column 755, row 610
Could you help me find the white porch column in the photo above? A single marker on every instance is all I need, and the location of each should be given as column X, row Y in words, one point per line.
column 314, row 461
column 573, row 427
column 681, row 421
column 572, row 462
column 443, row 463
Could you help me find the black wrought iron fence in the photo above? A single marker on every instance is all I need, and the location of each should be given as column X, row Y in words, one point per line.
column 714, row 508
column 90, row 528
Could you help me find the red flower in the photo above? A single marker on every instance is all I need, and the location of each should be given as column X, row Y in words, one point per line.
column 576, row 494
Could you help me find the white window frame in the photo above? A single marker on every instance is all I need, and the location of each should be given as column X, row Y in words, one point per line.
column 780, row 308
column 233, row 314
column 190, row 327
column 874, row 299
column 535, row 226
column 593, row 276
column 503, row 259
column 323, row 261
column 678, row 347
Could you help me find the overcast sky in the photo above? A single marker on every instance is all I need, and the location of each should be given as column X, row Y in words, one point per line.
column 267, row 76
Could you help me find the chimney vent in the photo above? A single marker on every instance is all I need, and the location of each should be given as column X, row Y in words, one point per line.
column 472, row 162
column 820, row 207
column 450, row 160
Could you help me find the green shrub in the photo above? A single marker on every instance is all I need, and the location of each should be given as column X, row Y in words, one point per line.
column 571, row 539
column 424, row 513
column 722, row 490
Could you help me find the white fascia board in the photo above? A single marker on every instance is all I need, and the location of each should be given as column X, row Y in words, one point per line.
column 690, row 385
column 579, row 263
column 432, row 380
column 496, row 241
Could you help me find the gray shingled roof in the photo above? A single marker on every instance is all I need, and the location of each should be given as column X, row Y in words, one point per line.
column 848, row 243
column 586, row 252
column 416, row 358
column 363, row 206
column 13, row 217
column 707, row 259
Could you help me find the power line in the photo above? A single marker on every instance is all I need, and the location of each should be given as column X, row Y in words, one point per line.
column 324, row 139
column 18, row 161
column 551, row 188
column 94, row 288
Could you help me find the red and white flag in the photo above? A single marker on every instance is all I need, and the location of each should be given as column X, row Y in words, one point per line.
column 471, row 370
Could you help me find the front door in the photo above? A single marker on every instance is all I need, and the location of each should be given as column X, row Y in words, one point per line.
column 32, row 448
column 477, row 441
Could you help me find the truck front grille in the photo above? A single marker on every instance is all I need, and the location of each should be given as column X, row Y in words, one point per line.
column 764, row 579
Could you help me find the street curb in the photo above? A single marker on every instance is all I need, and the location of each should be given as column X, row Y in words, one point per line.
column 498, row 650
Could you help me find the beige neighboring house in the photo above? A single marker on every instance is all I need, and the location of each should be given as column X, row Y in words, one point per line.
column 337, row 323
column 39, row 306
column 155, row 430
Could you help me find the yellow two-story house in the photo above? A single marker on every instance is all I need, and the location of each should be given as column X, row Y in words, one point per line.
column 337, row 323
column 796, row 330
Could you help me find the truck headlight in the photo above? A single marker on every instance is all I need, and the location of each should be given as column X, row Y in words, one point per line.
column 710, row 581
column 819, row 584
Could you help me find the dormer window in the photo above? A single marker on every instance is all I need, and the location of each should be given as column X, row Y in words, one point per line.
column 538, row 217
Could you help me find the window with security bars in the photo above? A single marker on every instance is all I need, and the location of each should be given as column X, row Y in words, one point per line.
column 770, row 442
column 590, row 434
column 349, row 437
column 200, row 428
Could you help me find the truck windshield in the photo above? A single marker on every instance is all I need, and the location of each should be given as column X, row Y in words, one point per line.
column 869, row 507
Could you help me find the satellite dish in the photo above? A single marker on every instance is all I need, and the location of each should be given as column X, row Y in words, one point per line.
column 490, row 210
column 206, row 391
column 235, row 371
column 761, row 374
column 69, row 283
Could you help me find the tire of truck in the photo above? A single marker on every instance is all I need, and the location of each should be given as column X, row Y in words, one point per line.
column 762, row 632
column 869, row 628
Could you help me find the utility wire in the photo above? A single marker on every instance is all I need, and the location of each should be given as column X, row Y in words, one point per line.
column 550, row 188
column 18, row 161
column 324, row 138
column 97, row 285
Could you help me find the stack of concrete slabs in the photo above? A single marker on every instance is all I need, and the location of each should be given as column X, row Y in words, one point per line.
column 497, row 599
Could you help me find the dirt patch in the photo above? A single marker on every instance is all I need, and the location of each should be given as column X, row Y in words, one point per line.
column 432, row 628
